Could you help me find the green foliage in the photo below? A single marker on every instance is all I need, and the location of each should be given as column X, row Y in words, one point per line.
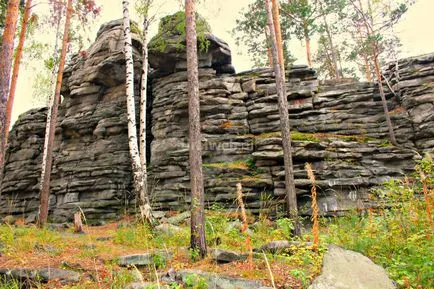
column 159, row 261
column 250, row 30
column 194, row 254
column 398, row 236
column 195, row 281
column 171, row 32
column 9, row 284
column 286, row 226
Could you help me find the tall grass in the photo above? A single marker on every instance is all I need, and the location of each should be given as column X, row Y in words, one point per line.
column 398, row 234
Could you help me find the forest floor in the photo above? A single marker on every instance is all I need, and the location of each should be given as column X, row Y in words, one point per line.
column 397, row 235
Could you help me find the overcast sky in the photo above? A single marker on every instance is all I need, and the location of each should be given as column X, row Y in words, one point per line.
column 415, row 31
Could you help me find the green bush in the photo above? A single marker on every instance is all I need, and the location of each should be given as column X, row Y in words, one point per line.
column 398, row 235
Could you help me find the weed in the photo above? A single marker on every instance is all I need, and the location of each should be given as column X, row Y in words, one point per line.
column 195, row 281
column 397, row 236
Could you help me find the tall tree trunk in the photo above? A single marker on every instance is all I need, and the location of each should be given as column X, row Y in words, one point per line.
column 291, row 197
column 143, row 95
column 367, row 68
column 16, row 69
column 375, row 54
column 307, row 41
column 332, row 48
column 269, row 56
column 6, row 56
column 50, row 132
column 197, row 241
column 383, row 98
column 138, row 179
column 278, row 31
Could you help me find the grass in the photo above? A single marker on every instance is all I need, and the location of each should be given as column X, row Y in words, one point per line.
column 397, row 235
column 318, row 137
column 241, row 164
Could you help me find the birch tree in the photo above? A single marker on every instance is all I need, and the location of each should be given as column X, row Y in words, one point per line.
column 16, row 67
column 47, row 158
column 142, row 8
column 6, row 56
column 197, row 241
column 136, row 160
column 291, row 197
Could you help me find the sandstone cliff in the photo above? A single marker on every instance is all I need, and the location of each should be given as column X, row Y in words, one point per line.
column 337, row 126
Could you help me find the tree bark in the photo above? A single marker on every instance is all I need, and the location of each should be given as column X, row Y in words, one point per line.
column 143, row 104
column 47, row 158
column 375, row 54
column 332, row 48
column 291, row 197
column 197, row 241
column 16, row 68
column 269, row 56
column 6, row 56
column 308, row 50
column 138, row 179
column 278, row 31
column 383, row 99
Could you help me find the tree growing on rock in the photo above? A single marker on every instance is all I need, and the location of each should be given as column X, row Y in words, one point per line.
column 6, row 57
column 197, row 241
column 376, row 18
column 139, row 180
column 284, row 122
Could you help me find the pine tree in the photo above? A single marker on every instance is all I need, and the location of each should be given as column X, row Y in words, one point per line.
column 16, row 69
column 284, row 124
column 197, row 241
column 47, row 158
column 6, row 57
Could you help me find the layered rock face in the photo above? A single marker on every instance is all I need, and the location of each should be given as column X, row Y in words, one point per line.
column 339, row 127
column 91, row 169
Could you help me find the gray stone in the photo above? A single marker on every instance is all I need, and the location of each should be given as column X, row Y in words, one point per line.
column 28, row 276
column 215, row 281
column 146, row 285
column 176, row 220
column 344, row 269
column 145, row 259
column 225, row 256
column 168, row 228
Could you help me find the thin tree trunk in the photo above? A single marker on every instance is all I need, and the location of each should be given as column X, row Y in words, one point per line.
column 50, row 132
column 383, row 99
column 143, row 95
column 307, row 41
column 269, row 56
column 278, row 31
column 138, row 179
column 197, row 241
column 332, row 48
column 375, row 54
column 291, row 197
column 16, row 69
column 6, row 56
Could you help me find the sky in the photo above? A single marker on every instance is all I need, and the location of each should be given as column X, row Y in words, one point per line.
column 415, row 31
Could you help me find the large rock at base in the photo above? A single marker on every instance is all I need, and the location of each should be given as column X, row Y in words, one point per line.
column 344, row 269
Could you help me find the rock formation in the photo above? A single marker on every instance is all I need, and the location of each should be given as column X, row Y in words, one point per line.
column 337, row 126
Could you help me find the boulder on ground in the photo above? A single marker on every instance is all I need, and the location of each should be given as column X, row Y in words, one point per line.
column 345, row 269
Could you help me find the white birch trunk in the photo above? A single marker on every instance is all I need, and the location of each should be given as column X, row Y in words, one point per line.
column 143, row 104
column 138, row 178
